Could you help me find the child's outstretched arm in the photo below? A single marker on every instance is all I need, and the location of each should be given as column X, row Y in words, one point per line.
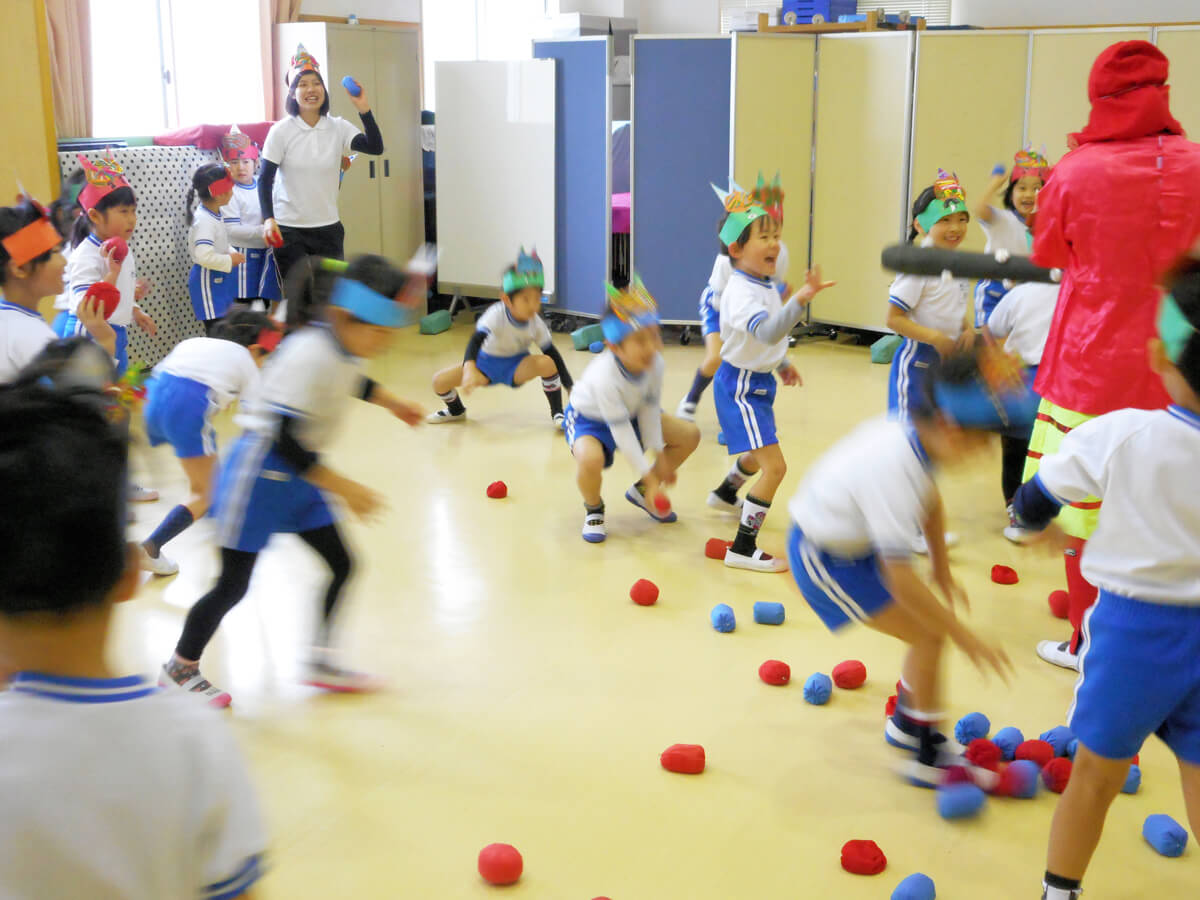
column 983, row 209
column 773, row 328
column 375, row 393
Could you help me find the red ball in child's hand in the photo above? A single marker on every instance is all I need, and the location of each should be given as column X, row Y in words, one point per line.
column 500, row 864
column 1004, row 575
column 984, row 754
column 715, row 548
column 497, row 490
column 661, row 503
column 1056, row 774
column 116, row 248
column 890, row 709
column 686, row 759
column 1060, row 602
column 863, row 858
column 643, row 592
column 849, row 675
column 1038, row 752
column 774, row 671
column 275, row 239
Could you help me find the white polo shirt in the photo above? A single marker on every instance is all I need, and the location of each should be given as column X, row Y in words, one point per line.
column 227, row 368
column 607, row 392
column 242, row 216
column 1142, row 464
column 868, row 494
column 63, row 300
column 1022, row 319
column 310, row 163
column 116, row 790
column 87, row 267
column 209, row 241
column 23, row 335
column 745, row 301
column 1006, row 231
column 508, row 337
column 932, row 301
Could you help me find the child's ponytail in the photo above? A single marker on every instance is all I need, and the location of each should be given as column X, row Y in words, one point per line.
column 188, row 205
column 919, row 206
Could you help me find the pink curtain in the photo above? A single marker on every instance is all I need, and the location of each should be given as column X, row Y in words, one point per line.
column 69, row 32
column 271, row 13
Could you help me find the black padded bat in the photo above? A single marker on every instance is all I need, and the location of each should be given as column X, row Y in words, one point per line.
column 960, row 264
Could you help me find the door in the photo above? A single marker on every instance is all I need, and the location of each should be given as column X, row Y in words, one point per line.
column 401, row 190
column 352, row 52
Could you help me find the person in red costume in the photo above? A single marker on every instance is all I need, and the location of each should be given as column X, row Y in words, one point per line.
column 1115, row 213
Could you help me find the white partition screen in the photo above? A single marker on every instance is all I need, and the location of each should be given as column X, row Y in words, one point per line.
column 495, row 170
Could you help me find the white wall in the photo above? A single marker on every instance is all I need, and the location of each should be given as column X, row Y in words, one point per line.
column 679, row 16
column 1003, row 13
column 394, row 10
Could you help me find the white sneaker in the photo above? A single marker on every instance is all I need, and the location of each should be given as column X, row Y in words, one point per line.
column 724, row 506
column 198, row 685
column 686, row 410
column 139, row 494
column 1058, row 654
column 559, row 418
column 159, row 565
column 323, row 671
column 756, row 562
column 922, row 775
column 1015, row 532
column 444, row 417
column 920, row 546
column 594, row 531
column 634, row 496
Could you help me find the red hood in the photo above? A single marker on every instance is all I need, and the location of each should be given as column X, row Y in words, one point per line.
column 1129, row 95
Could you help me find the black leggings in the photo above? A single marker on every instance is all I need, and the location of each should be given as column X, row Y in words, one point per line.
column 1012, row 468
column 327, row 240
column 236, row 568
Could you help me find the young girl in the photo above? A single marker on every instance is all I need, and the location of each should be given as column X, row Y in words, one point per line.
column 198, row 379
column 770, row 198
column 63, row 213
column 616, row 406
column 110, row 211
column 211, row 282
column 275, row 480
column 258, row 277
column 1008, row 229
column 853, row 522
column 31, row 267
column 498, row 352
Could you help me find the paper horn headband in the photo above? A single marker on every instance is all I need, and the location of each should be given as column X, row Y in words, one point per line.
column 741, row 209
column 34, row 239
column 103, row 177
column 528, row 272
column 1030, row 162
column 769, row 196
column 302, row 61
column 237, row 145
column 629, row 310
column 948, row 199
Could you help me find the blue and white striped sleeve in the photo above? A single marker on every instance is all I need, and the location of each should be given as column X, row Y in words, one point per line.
column 905, row 291
column 231, row 840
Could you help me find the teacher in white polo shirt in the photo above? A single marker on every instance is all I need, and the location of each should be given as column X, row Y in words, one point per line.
column 301, row 169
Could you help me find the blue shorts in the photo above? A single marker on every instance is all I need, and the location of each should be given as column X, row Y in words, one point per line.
column 1139, row 674
column 912, row 365
column 839, row 590
column 499, row 369
column 258, row 276
column 179, row 412
column 59, row 325
column 74, row 327
column 710, row 319
column 259, row 494
column 745, row 407
column 577, row 425
column 988, row 293
column 212, row 292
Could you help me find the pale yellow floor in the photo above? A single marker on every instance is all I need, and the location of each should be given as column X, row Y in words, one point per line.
column 530, row 698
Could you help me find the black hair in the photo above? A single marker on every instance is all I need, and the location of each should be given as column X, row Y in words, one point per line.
column 122, row 196
column 12, row 220
column 919, row 206
column 62, row 475
column 290, row 104
column 309, row 283
column 243, row 326
column 1008, row 192
column 65, row 208
column 1185, row 288
column 202, row 178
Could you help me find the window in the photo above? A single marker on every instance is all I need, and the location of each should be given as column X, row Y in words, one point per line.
column 158, row 65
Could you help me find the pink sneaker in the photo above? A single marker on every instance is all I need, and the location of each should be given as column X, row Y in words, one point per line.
column 196, row 684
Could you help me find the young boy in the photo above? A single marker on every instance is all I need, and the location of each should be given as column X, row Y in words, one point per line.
column 1140, row 666
column 617, row 406
column 754, row 330
column 850, row 547
column 498, row 352
column 111, row 787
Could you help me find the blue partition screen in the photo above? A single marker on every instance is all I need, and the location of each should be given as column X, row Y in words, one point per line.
column 680, row 145
column 583, row 204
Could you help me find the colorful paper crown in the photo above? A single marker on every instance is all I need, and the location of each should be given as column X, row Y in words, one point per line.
column 302, row 61
column 741, row 208
column 103, row 177
column 1030, row 162
column 528, row 272
column 34, row 239
column 237, row 145
column 769, row 196
column 948, row 198
column 1173, row 328
column 629, row 310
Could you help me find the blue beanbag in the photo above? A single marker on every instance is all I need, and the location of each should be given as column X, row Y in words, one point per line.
column 1133, row 781
column 970, row 727
column 915, row 887
column 768, row 613
column 722, row 618
column 1165, row 835
column 818, row 688
column 1008, row 740
column 1059, row 738
column 960, row 801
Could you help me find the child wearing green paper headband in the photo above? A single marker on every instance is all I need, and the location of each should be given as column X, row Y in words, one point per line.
column 1143, row 633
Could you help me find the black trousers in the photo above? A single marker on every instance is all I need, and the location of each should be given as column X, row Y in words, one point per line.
column 327, row 240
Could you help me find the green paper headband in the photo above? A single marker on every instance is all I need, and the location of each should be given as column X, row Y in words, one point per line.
column 938, row 210
column 1174, row 328
column 738, row 222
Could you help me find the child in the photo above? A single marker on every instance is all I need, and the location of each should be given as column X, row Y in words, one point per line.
column 498, row 352
column 755, row 323
column 211, row 283
column 1009, row 229
column 1022, row 320
column 63, row 213
column 770, row 198
column 258, row 277
column 31, row 267
column 198, row 379
column 163, row 806
column 1138, row 662
column 109, row 211
column 850, row 546
column 275, row 480
column 616, row 406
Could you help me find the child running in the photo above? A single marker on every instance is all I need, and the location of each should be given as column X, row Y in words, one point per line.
column 211, row 283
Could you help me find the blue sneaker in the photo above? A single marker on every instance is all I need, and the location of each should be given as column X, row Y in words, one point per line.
column 594, row 531
column 634, row 496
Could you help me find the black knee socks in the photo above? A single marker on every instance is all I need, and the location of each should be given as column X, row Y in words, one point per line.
column 1012, row 468
column 553, row 389
column 453, row 402
column 699, row 383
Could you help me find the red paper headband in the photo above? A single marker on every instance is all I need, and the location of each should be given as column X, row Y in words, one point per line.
column 269, row 339
column 222, row 185
column 102, row 179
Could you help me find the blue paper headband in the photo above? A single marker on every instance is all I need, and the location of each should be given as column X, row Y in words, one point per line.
column 616, row 329
column 365, row 304
column 974, row 405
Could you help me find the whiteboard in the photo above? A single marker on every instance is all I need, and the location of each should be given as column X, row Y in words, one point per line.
column 495, row 170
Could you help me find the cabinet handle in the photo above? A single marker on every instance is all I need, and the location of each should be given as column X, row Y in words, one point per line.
column 387, row 168
column 371, row 168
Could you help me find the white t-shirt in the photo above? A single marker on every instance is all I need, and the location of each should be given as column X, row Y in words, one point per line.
column 116, row 790
column 23, row 335
column 242, row 216
column 508, row 337
column 87, row 267
column 932, row 301
column 310, row 163
column 1142, row 465
column 607, row 392
column 310, row 378
column 1023, row 316
column 723, row 270
column 868, row 494
column 63, row 300
column 745, row 301
column 208, row 241
column 224, row 366
column 1006, row 231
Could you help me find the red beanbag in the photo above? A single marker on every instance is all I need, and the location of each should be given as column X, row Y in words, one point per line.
column 984, row 754
column 108, row 295
column 116, row 248
column 500, row 864
column 1060, row 603
column 1004, row 575
column 890, row 709
column 1056, row 774
column 644, row 593
column 1038, row 752
column 497, row 490
column 686, row 759
column 715, row 548
column 863, row 858
column 775, row 671
column 850, row 674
